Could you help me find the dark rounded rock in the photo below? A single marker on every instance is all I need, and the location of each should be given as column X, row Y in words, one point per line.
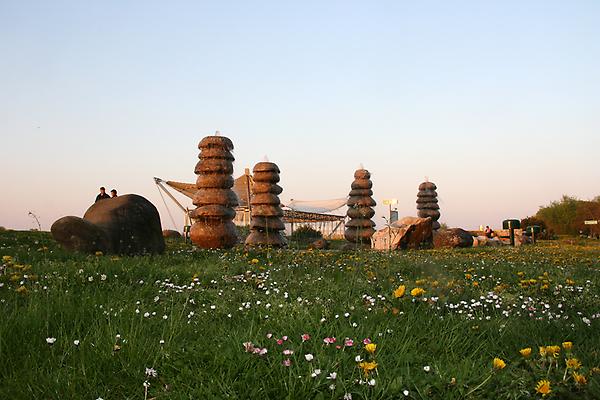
column 454, row 237
column 171, row 234
column 77, row 234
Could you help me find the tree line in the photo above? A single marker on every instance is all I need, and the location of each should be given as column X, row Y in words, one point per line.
column 566, row 216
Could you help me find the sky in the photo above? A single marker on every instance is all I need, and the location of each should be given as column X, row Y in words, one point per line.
column 498, row 103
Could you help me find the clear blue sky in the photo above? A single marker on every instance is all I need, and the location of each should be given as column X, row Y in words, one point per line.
column 497, row 102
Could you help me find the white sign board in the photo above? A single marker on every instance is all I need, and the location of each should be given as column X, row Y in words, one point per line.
column 389, row 202
column 592, row 222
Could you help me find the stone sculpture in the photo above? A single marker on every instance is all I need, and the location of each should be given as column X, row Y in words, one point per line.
column 427, row 203
column 213, row 227
column 360, row 227
column 266, row 224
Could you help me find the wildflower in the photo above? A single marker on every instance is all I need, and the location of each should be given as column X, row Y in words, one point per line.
column 366, row 341
column 526, row 352
column 329, row 340
column 332, row 386
column 21, row 290
column 309, row 357
column 305, row 337
column 348, row 342
column 288, row 352
column 371, row 382
column 6, row 259
column 427, row 368
column 332, row 376
column 405, row 392
column 552, row 351
column 399, row 292
column 316, row 373
column 357, row 359
column 371, row 347
column 254, row 261
column 248, row 346
column 579, row 379
column 99, row 254
column 543, row 387
column 573, row 363
column 50, row 340
column 76, row 342
column 287, row 362
column 146, row 384
column 103, row 277
column 498, row 363
column 367, row 366
column 417, row 292
column 543, row 351
column 468, row 276
column 151, row 372
column 347, row 396
column 567, row 345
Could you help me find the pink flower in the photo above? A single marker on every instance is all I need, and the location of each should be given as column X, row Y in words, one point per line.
column 348, row 342
column 329, row 340
column 338, row 347
column 305, row 337
column 279, row 341
column 287, row 362
column 248, row 346
column 288, row 352
column 285, row 338
column 262, row 352
column 366, row 341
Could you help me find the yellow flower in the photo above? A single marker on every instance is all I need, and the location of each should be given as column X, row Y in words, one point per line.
column 468, row 276
column 543, row 387
column 543, row 351
column 417, row 292
column 498, row 363
column 371, row 347
column 526, row 352
column 399, row 292
column 573, row 363
column 254, row 261
column 553, row 351
column 475, row 284
column 6, row 259
column 99, row 254
column 570, row 282
column 21, row 290
column 420, row 281
column 579, row 379
column 567, row 345
column 367, row 366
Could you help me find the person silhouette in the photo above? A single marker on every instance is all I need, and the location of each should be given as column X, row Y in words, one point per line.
column 113, row 193
column 103, row 195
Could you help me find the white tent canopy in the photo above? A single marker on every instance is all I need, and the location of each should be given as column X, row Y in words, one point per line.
column 317, row 206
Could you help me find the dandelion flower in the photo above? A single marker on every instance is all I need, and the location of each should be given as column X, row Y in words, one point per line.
column 579, row 379
column 417, row 292
column 367, row 366
column 399, row 292
column 371, row 347
column 498, row 363
column 543, row 387
column 567, row 345
column 526, row 352
column 573, row 363
column 552, row 351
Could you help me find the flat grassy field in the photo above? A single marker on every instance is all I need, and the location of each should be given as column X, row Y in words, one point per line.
column 299, row 324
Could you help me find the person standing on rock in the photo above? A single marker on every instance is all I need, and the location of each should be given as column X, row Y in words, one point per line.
column 488, row 231
column 103, row 195
column 113, row 193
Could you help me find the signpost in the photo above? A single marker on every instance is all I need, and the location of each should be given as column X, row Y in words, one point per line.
column 392, row 218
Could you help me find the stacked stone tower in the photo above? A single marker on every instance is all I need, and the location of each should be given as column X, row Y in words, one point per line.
column 360, row 228
column 266, row 224
column 213, row 227
column 427, row 203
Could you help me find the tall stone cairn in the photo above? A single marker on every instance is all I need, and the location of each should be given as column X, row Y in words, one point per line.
column 213, row 227
column 360, row 228
column 266, row 224
column 427, row 203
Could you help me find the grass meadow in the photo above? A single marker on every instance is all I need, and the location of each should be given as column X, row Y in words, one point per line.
column 481, row 323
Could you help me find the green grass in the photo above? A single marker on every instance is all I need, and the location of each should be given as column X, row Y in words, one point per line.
column 214, row 301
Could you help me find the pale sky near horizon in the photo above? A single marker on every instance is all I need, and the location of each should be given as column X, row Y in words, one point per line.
column 498, row 103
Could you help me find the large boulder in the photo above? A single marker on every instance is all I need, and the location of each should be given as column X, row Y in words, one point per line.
column 171, row 234
column 454, row 237
column 126, row 225
column 407, row 233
